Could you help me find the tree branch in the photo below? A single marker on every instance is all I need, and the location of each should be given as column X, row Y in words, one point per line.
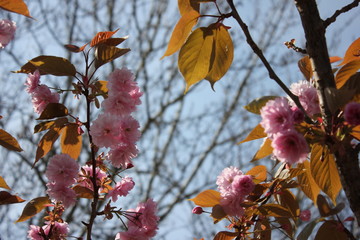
column 345, row 9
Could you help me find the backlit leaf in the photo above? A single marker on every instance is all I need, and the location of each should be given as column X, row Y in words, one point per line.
column 181, row 32
column 287, row 199
column 256, row 133
column 101, row 88
column 3, row 183
column 223, row 235
column 307, row 182
column 74, row 49
column 207, row 198
column 102, row 36
column 16, row 6
column 186, row 6
column 71, row 140
column 324, row 171
column 114, row 41
column 355, row 132
column 265, row 150
column 33, row 207
column 9, row 142
column 352, row 53
column 8, row 198
column 304, row 65
column 106, row 53
column 286, row 225
column 194, row 56
column 222, row 54
column 307, row 230
column 262, row 229
column 346, row 72
column 255, row 105
column 218, row 213
column 334, row 59
column 259, row 173
column 274, row 210
column 48, row 124
column 83, row 192
column 53, row 65
column 53, row 110
column 330, row 230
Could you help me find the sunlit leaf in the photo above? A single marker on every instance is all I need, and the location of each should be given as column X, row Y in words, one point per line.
column 207, row 198
column 352, row 53
column 259, row 173
column 324, row 171
column 265, row 150
column 304, row 65
column 256, row 133
column 186, row 6
column 223, row 235
column 83, row 192
column 101, row 88
column 53, row 65
column 330, row 230
column 274, row 210
column 222, row 54
column 102, row 36
column 9, row 142
column 194, row 56
column 3, row 183
column 71, row 140
column 114, row 41
column 33, row 207
column 53, row 110
column 16, row 6
column 255, row 105
column 334, row 59
column 181, row 32
column 106, row 53
column 307, row 230
column 8, row 198
column 48, row 124
column 346, row 72
column 307, row 182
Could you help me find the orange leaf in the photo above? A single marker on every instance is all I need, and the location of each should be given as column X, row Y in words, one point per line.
column 258, row 172
column 307, row 182
column 334, row 59
column 256, row 133
column 49, row 124
column 102, row 36
column 186, row 6
column 223, row 235
column 352, row 53
column 71, row 140
column 9, row 142
column 207, row 198
column 16, row 6
column 33, row 207
column 288, row 200
column 274, row 210
column 265, row 150
column 7, row 198
column 181, row 32
column 255, row 105
column 3, row 183
column 304, row 65
column 346, row 72
column 83, row 192
column 106, row 53
column 53, row 110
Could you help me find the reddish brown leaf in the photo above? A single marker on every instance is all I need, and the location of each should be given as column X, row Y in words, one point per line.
column 225, row 235
column 53, row 65
column 218, row 213
column 83, row 192
column 16, row 6
column 105, row 53
column 9, row 142
column 53, row 110
column 304, row 65
column 274, row 210
column 331, row 230
column 102, row 36
column 7, row 198
column 287, row 199
column 33, row 207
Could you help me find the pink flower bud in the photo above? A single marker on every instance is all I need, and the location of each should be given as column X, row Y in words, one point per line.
column 197, row 210
column 305, row 215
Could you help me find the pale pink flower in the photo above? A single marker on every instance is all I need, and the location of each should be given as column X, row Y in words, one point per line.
column 34, row 233
column 120, row 103
column 86, row 173
column 32, row 81
column 7, row 32
column 225, row 179
column 121, row 80
column 62, row 168
column 352, row 113
column 59, row 230
column 61, row 193
column 298, row 115
column 42, row 96
column 129, row 129
column 243, row 184
column 231, row 203
column 121, row 188
column 290, row 147
column 307, row 96
column 121, row 156
column 133, row 233
column 277, row 116
column 305, row 215
column 105, row 130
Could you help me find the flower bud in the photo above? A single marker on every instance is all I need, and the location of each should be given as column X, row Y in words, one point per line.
column 305, row 215
column 197, row 210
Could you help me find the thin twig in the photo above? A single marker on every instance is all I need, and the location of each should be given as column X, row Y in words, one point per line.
column 345, row 9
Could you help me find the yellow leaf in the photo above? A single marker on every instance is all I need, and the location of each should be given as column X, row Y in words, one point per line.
column 255, row 105
column 259, row 173
column 48, row 124
column 307, row 182
column 352, row 53
column 324, row 171
column 355, row 132
column 71, row 140
column 3, row 183
column 222, row 55
column 330, row 230
column 101, row 88
column 8, row 198
column 256, row 133
column 33, row 207
column 207, row 198
column 181, row 32
column 304, row 65
column 346, row 72
column 194, row 57
column 16, row 6
column 265, row 150
column 186, row 6
column 9, row 142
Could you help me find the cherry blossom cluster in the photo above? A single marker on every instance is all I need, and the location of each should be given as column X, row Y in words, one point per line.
column 307, row 95
column 278, row 121
column 41, row 94
column 352, row 113
column 7, row 32
column 234, row 186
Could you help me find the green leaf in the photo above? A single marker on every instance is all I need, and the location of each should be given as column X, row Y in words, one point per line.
column 53, row 65
column 256, row 133
column 71, row 140
column 33, row 207
column 265, row 150
column 346, row 72
column 330, row 230
column 3, row 183
column 194, row 56
column 255, row 105
column 324, row 171
column 7, row 198
column 9, row 142
column 207, row 198
column 307, row 182
column 106, row 53
column 53, row 110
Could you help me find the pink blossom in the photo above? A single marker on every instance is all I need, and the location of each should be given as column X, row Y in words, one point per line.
column 290, row 147
column 352, row 113
column 61, row 193
column 197, row 210
column 133, row 233
column 129, row 129
column 62, row 168
column 298, row 115
column 41, row 96
column 34, row 233
column 277, row 116
column 86, row 173
column 58, row 231
column 105, row 130
column 121, row 80
column 121, row 156
column 7, row 32
column 307, row 96
column 32, row 81
column 121, row 189
column 225, row 179
column 231, row 203
column 120, row 103
column 243, row 184
column 305, row 215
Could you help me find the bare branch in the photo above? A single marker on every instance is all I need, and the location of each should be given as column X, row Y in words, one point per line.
column 345, row 9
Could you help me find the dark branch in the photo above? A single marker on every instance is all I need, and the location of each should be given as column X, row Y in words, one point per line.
column 345, row 9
